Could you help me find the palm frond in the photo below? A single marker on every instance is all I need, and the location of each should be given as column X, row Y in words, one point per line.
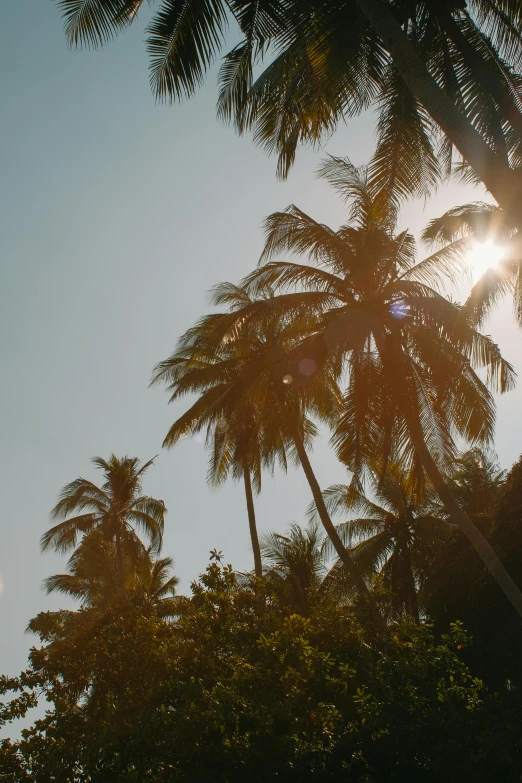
column 206, row 408
column 69, row 585
column 152, row 528
column 64, row 536
column 351, row 182
column 94, row 22
column 283, row 275
column 185, row 37
column 355, row 530
column 450, row 262
column 488, row 291
column 477, row 219
column 404, row 163
column 293, row 231
column 259, row 22
column 80, row 494
column 372, row 554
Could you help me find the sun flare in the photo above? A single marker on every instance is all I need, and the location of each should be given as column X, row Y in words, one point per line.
column 484, row 256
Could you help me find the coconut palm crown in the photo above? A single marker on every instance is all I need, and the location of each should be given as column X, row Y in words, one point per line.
column 117, row 509
column 386, row 323
column 397, row 534
column 295, row 563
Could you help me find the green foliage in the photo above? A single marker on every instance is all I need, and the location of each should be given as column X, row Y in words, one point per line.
column 238, row 688
column 285, row 676
column 100, row 673
column 459, row 585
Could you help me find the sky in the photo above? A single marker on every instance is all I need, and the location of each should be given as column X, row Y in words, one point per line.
column 117, row 215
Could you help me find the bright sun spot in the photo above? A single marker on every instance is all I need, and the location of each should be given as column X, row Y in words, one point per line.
column 484, row 256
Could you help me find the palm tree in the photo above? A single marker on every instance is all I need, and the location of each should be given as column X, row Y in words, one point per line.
column 155, row 589
column 397, row 535
column 332, row 60
column 295, row 564
column 117, row 510
column 410, row 155
column 92, row 579
column 216, row 366
column 250, row 371
column 410, row 352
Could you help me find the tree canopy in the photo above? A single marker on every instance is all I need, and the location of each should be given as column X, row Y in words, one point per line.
column 382, row 641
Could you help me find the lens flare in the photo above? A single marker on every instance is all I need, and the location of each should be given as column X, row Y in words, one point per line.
column 399, row 309
column 307, row 367
column 484, row 256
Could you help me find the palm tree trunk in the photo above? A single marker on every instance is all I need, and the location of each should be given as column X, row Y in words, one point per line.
column 328, row 525
column 252, row 520
column 460, row 518
column 502, row 182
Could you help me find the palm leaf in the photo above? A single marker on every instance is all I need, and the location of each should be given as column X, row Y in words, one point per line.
column 296, row 232
column 184, row 39
column 259, row 21
column 404, row 163
column 63, row 536
column 94, row 22
column 450, row 262
column 476, row 219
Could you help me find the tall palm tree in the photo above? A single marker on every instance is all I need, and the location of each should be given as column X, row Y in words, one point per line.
column 251, row 370
column 216, row 365
column 117, row 510
column 410, row 352
column 397, row 535
column 332, row 60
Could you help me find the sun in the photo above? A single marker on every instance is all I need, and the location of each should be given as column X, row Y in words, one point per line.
column 484, row 256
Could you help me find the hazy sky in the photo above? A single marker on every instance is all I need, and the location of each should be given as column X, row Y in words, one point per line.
column 117, row 217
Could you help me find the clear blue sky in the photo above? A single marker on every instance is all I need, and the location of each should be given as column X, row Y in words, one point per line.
column 117, row 217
